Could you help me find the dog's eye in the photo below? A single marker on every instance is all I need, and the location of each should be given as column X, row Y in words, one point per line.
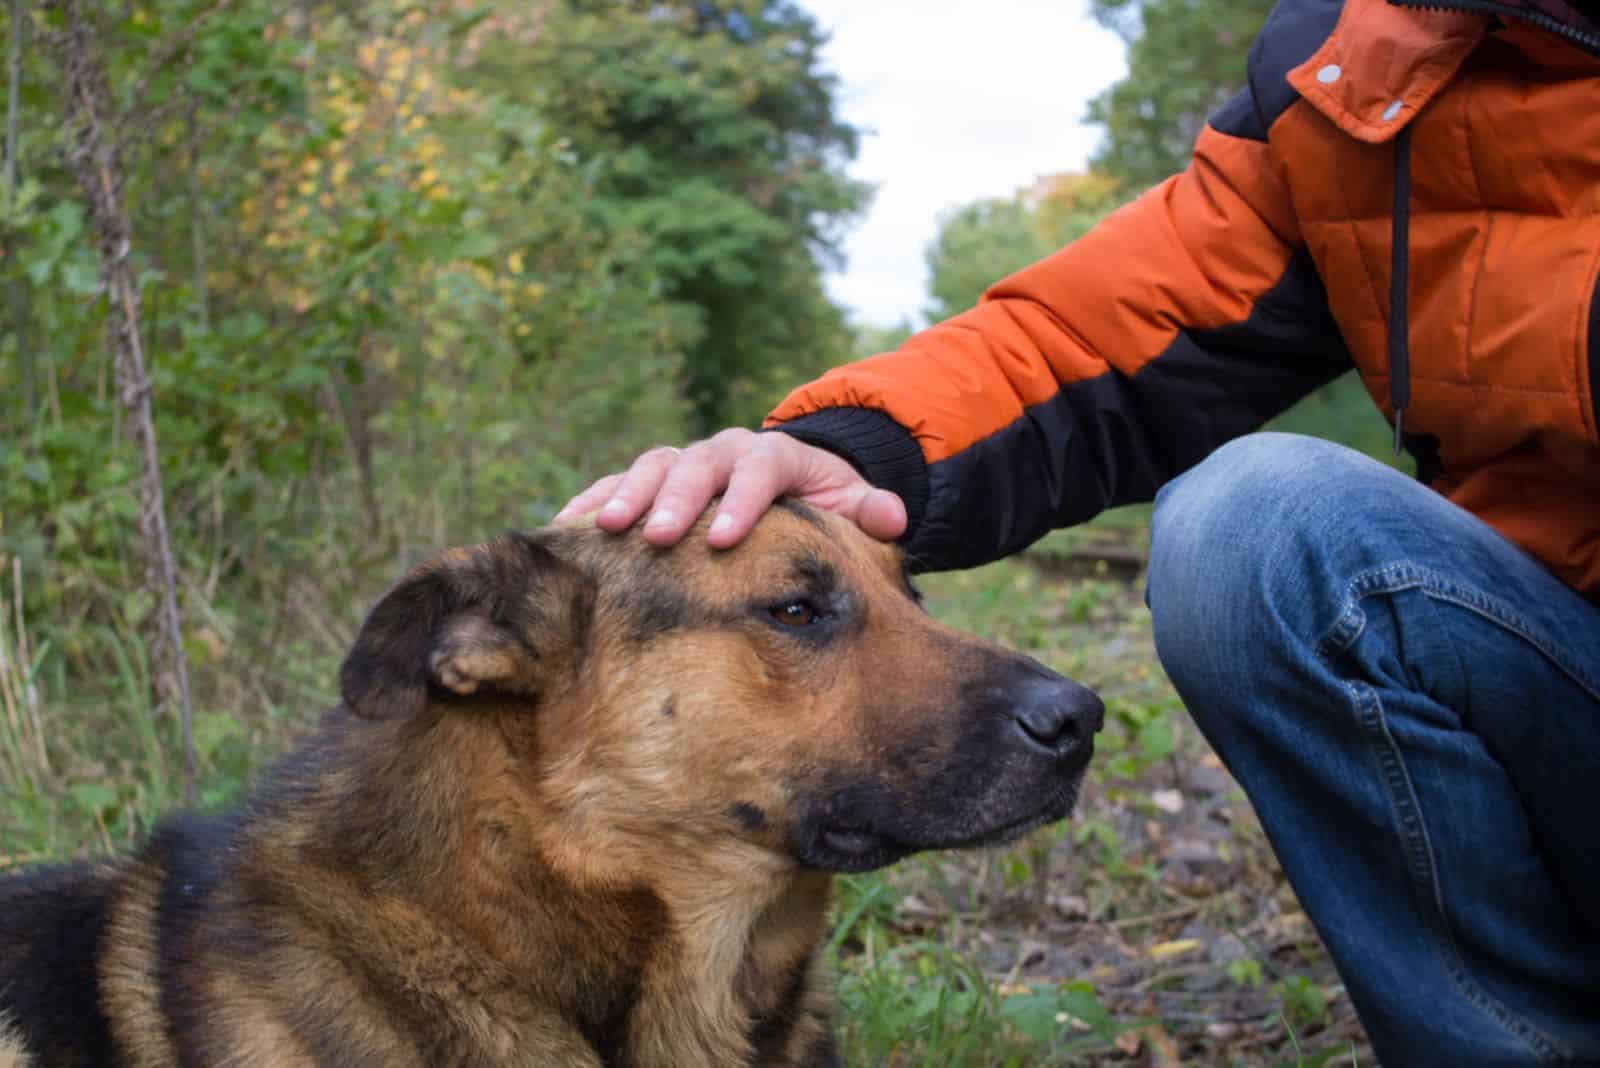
column 801, row 613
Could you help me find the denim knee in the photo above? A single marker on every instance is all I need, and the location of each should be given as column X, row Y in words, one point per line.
column 1238, row 545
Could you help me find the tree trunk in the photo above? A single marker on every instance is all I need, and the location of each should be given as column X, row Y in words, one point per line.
column 197, row 230
column 94, row 159
column 19, row 15
column 349, row 400
column 19, row 297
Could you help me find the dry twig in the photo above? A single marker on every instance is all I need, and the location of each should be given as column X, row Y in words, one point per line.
column 94, row 158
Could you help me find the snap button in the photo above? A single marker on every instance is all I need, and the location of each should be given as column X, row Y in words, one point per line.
column 1392, row 110
column 1329, row 74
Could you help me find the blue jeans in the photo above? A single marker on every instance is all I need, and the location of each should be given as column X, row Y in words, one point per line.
column 1413, row 706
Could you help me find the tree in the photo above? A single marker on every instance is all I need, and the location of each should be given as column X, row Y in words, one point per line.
column 982, row 242
column 95, row 129
column 712, row 132
column 1186, row 58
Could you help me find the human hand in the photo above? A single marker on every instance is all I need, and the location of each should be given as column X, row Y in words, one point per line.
column 751, row 471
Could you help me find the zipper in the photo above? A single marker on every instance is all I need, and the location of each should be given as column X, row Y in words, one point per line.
column 1586, row 39
column 1399, row 288
column 1594, row 357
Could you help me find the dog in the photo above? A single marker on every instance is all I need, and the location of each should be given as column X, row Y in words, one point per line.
column 580, row 804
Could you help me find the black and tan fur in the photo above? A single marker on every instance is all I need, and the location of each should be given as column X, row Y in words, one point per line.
column 580, row 805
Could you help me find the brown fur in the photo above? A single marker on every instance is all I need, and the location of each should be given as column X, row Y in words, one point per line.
column 578, row 807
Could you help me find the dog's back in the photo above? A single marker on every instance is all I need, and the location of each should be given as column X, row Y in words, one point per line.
column 51, row 922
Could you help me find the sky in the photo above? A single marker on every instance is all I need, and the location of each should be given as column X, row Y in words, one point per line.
column 959, row 100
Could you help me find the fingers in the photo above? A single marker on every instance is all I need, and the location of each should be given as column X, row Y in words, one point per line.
column 750, row 471
column 590, row 499
column 635, row 490
column 697, row 475
column 758, row 477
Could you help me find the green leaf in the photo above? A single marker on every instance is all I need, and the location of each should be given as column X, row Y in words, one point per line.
column 93, row 798
column 1034, row 1014
column 1156, row 739
column 81, row 277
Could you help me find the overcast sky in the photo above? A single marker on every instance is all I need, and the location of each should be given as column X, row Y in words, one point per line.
column 960, row 99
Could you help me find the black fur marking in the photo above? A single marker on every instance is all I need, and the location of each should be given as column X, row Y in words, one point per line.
column 825, row 1054
column 659, row 609
column 818, row 576
column 769, row 1034
column 909, row 586
column 802, row 511
column 748, row 816
column 51, row 921
column 658, row 612
column 189, row 850
column 605, row 1006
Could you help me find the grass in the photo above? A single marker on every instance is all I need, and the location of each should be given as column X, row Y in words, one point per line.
column 1153, row 928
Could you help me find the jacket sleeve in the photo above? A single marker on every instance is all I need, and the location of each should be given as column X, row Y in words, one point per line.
column 1089, row 379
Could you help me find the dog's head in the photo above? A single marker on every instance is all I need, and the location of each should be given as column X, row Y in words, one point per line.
column 784, row 700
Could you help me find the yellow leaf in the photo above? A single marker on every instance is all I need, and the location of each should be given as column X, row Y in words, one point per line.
column 1168, row 950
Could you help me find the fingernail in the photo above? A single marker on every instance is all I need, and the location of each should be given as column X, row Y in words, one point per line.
column 615, row 506
column 721, row 523
column 660, row 518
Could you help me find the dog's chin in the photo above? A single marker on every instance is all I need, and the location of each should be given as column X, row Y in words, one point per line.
column 846, row 849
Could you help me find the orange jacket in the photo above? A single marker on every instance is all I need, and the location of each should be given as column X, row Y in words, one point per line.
column 1267, row 268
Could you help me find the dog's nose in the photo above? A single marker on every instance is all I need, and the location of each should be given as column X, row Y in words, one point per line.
column 1058, row 714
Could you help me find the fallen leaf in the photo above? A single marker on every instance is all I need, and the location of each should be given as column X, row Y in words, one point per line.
column 1070, row 906
column 1163, row 1050
column 1176, row 948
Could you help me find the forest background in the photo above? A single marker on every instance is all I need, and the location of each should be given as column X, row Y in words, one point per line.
column 362, row 279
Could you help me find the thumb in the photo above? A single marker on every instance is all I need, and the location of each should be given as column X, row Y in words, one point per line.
column 881, row 514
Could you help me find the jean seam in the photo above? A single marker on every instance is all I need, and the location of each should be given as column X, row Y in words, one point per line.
column 1404, row 807
column 1404, row 575
column 1406, row 810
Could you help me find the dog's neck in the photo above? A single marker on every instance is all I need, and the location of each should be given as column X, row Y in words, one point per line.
column 732, row 982
column 737, row 984
column 694, row 963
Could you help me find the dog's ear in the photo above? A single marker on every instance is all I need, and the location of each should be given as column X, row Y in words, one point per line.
column 503, row 618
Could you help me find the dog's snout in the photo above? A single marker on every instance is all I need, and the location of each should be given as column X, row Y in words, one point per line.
column 1058, row 714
